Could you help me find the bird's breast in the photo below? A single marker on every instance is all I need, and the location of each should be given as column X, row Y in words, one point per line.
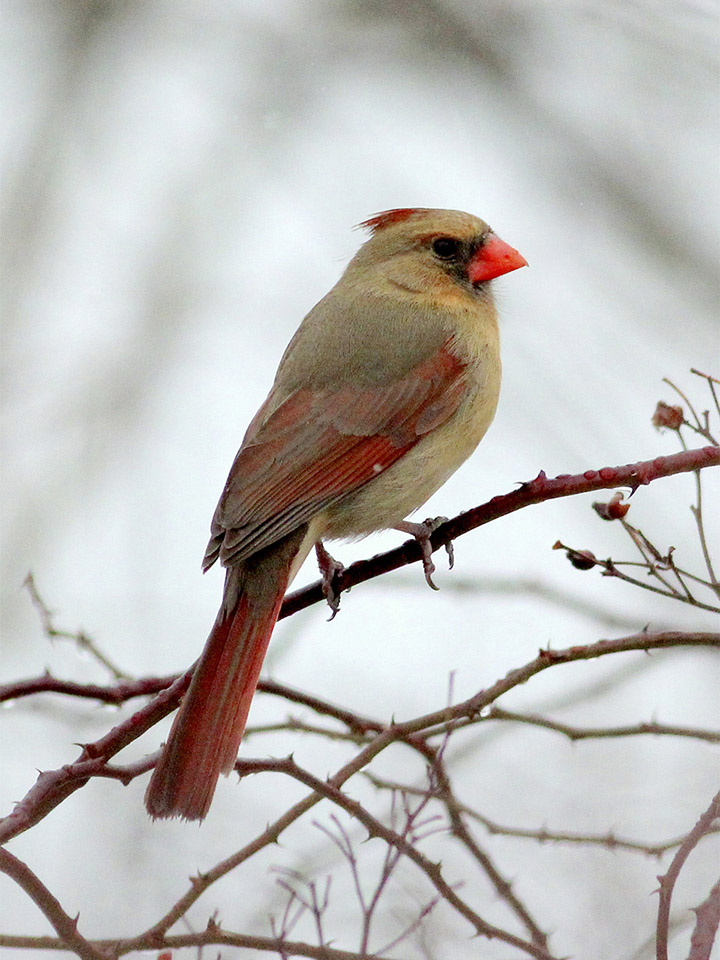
column 404, row 486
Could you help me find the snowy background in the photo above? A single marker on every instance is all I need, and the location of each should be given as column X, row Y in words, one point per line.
column 180, row 180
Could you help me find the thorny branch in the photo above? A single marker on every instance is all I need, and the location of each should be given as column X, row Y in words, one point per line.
column 53, row 787
column 64, row 925
column 659, row 565
column 667, row 882
column 78, row 637
column 532, row 492
column 410, row 823
column 543, row 835
column 213, row 935
column 706, row 925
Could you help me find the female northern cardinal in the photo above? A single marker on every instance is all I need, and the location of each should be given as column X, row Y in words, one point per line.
column 387, row 387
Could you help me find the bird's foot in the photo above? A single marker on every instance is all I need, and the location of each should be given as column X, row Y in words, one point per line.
column 330, row 571
column 423, row 533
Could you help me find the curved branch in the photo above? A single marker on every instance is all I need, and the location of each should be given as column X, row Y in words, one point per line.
column 409, row 731
column 706, row 925
column 51, row 788
column 667, row 882
column 608, row 840
column 64, row 925
column 460, row 831
column 326, row 789
column 532, row 492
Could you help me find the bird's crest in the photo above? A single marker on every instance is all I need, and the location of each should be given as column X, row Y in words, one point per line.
column 388, row 217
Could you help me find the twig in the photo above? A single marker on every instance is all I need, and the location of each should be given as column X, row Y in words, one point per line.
column 355, row 722
column 707, row 920
column 79, row 637
column 585, row 560
column 711, row 382
column 404, row 732
column 667, row 882
column 697, row 512
column 596, row 733
column 295, row 725
column 432, row 871
column 212, row 936
column 408, row 831
column 461, row 832
column 115, row 694
column 64, row 925
column 608, row 840
column 423, row 913
column 314, row 904
column 52, row 787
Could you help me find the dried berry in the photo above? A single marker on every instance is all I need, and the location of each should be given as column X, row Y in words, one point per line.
column 614, row 509
column 668, row 416
column 582, row 559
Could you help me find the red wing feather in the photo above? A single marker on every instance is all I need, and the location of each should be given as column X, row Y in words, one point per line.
column 320, row 445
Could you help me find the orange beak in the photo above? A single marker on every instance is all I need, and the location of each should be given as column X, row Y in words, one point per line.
column 492, row 259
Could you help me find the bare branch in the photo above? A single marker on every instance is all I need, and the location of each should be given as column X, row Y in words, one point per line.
column 53, row 787
column 432, row 871
column 405, row 732
column 586, row 560
column 406, row 829
column 212, row 936
column 115, row 694
column 712, row 382
column 706, row 926
column 667, row 882
column 595, row 733
column 79, row 637
column 608, row 840
column 64, row 925
column 503, row 886
column 535, row 491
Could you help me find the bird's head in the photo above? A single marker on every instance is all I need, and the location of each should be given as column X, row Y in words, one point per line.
column 425, row 250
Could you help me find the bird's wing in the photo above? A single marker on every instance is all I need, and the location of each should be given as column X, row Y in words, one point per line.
column 320, row 445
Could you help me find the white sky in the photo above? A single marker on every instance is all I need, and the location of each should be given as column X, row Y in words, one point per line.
column 180, row 182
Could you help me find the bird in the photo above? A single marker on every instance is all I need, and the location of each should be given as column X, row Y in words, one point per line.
column 386, row 388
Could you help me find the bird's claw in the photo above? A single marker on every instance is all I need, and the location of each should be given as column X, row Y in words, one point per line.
column 450, row 551
column 330, row 571
column 428, row 565
column 423, row 533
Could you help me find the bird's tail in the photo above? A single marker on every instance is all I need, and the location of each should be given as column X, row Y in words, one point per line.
column 208, row 728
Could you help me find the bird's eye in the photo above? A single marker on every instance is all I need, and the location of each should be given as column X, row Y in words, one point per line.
column 447, row 248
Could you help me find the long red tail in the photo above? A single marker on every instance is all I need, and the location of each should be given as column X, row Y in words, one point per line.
column 208, row 728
